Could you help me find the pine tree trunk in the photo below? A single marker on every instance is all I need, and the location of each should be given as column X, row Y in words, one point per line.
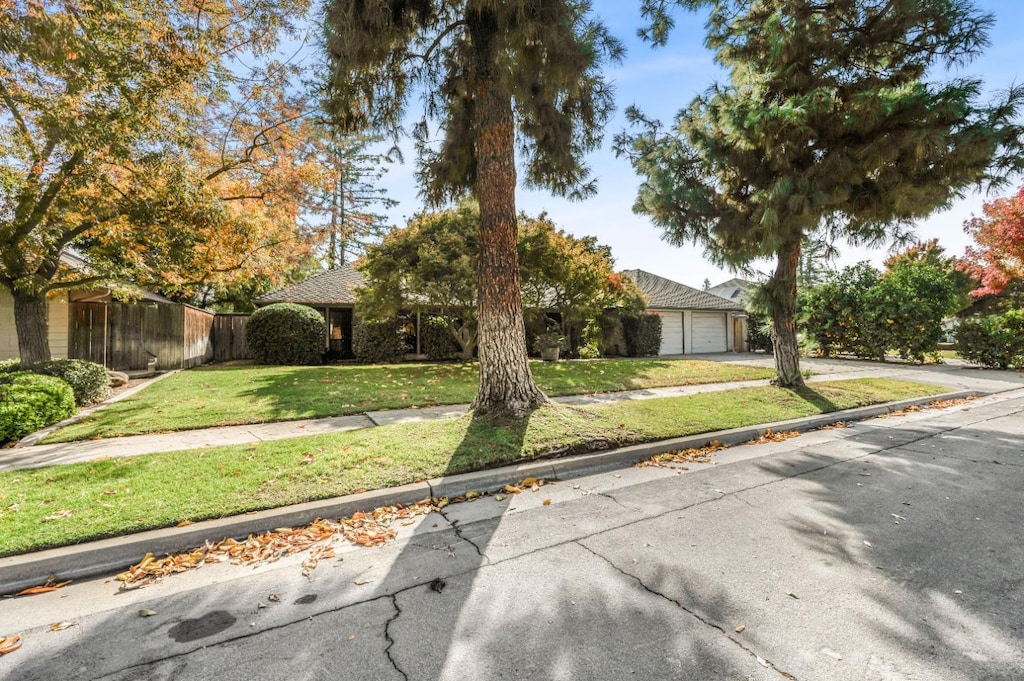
column 507, row 388
column 781, row 290
column 31, row 324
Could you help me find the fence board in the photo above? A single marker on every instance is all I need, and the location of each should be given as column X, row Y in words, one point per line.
column 228, row 336
column 198, row 337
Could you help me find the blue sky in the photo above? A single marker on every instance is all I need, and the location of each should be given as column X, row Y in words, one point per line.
column 661, row 81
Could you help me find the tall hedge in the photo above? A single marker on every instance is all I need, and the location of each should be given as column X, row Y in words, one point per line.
column 286, row 334
column 995, row 341
column 642, row 334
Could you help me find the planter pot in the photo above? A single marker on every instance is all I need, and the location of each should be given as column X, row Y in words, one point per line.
column 549, row 354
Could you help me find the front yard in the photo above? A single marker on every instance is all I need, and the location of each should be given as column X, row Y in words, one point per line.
column 63, row 505
column 216, row 396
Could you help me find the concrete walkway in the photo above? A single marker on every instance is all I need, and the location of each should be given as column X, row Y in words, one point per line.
column 956, row 377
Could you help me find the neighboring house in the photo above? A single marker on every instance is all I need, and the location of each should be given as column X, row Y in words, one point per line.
column 123, row 335
column 734, row 290
column 692, row 321
column 332, row 294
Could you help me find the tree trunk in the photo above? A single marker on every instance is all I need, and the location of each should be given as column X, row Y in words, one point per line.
column 31, row 324
column 507, row 388
column 781, row 291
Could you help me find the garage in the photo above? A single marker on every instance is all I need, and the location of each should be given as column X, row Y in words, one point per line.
column 671, row 332
column 710, row 332
column 691, row 321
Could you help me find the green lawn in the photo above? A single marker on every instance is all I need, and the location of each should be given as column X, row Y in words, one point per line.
column 69, row 504
column 214, row 396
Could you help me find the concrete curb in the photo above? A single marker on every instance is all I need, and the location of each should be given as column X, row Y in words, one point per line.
column 108, row 555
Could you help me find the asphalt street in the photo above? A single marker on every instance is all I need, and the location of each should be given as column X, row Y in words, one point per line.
column 888, row 550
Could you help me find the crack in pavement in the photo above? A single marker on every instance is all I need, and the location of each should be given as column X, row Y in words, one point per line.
column 390, row 640
column 455, row 525
column 703, row 620
column 487, row 562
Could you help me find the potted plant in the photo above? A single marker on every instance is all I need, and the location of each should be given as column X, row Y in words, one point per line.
column 549, row 343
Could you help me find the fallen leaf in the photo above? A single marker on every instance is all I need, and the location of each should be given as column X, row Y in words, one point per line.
column 773, row 436
column 8, row 644
column 546, row 502
column 61, row 626
column 50, row 585
column 276, row 598
column 352, row 637
column 58, row 515
column 146, row 613
column 792, row 595
column 692, row 455
column 362, row 582
column 740, row 629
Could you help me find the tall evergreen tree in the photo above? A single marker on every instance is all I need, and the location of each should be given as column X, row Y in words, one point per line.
column 828, row 121
column 351, row 200
column 497, row 77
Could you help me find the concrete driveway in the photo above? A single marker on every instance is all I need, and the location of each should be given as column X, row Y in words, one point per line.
column 889, row 550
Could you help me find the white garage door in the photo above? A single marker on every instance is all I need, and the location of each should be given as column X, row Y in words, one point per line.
column 709, row 332
column 671, row 332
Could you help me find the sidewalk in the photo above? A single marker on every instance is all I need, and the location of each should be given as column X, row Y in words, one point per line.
column 36, row 456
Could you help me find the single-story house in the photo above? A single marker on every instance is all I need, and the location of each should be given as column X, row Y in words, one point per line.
column 332, row 294
column 692, row 321
column 126, row 335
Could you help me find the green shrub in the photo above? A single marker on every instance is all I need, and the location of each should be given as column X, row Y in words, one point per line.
column 287, row 334
column 759, row 334
column 30, row 401
column 995, row 341
column 590, row 340
column 436, row 341
column 8, row 366
column 380, row 342
column 642, row 334
column 89, row 381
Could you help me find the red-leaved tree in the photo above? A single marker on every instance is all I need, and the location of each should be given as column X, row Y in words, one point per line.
column 998, row 258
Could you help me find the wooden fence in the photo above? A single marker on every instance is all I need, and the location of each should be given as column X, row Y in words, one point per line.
column 229, row 337
column 126, row 336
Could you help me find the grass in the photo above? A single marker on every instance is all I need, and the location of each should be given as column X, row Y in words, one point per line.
column 215, row 396
column 69, row 504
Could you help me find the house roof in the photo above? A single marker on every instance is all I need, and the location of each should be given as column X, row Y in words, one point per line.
column 333, row 287
column 664, row 293
column 734, row 289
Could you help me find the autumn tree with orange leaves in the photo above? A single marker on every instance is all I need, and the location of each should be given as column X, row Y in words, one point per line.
column 157, row 138
column 998, row 258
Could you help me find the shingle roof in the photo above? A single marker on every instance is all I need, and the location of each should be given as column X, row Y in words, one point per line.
column 333, row 287
column 664, row 293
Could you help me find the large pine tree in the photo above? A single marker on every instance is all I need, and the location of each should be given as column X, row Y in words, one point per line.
column 830, row 120
column 498, row 77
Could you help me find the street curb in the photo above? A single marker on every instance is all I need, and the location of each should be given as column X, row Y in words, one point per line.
column 117, row 553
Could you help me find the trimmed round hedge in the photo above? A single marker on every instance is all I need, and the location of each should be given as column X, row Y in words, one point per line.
column 89, row 381
column 286, row 334
column 30, row 401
